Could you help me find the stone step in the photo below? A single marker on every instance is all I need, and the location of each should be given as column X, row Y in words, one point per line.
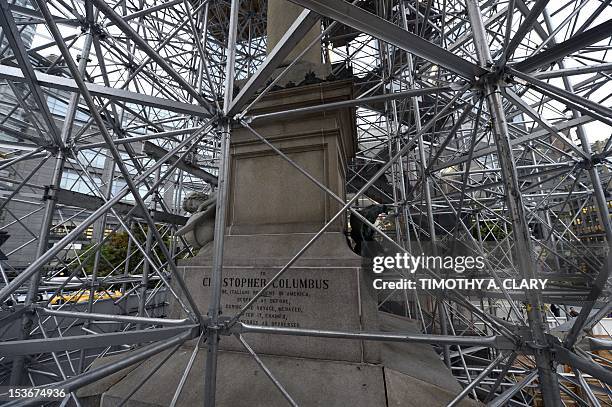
column 241, row 382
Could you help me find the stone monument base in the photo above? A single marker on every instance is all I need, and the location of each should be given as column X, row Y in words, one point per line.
column 326, row 289
column 272, row 212
column 410, row 375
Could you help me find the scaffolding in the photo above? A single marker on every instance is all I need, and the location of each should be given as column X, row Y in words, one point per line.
column 484, row 124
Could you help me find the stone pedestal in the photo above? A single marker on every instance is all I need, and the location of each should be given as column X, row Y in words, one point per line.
column 325, row 290
column 268, row 195
column 273, row 211
column 411, row 375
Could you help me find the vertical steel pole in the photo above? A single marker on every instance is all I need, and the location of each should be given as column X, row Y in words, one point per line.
column 546, row 221
column 390, row 125
column 426, row 186
column 549, row 385
column 126, row 268
column 43, row 239
column 214, row 308
column 98, row 237
column 203, row 16
column 431, row 227
column 600, row 197
column 146, row 266
column 131, row 185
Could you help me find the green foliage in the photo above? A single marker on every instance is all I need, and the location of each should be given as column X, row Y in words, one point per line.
column 491, row 230
column 114, row 252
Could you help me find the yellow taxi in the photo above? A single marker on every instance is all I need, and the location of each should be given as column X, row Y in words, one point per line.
column 83, row 296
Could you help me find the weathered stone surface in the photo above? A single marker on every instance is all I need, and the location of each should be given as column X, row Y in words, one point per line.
column 277, row 201
column 406, row 391
column 311, row 382
column 240, row 382
column 414, row 374
column 90, row 395
column 281, row 14
column 315, row 297
column 267, row 194
column 273, row 211
column 414, row 359
column 330, row 249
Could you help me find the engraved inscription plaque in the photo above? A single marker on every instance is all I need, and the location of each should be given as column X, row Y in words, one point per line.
column 303, row 297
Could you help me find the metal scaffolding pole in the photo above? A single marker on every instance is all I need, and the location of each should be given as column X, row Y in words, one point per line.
column 156, row 103
column 214, row 307
column 115, row 153
column 49, row 211
column 549, row 385
column 586, row 147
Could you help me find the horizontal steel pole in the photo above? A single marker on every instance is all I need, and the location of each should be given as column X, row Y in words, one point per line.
column 157, row 152
column 566, row 356
column 56, row 82
column 535, row 135
column 563, row 49
column 150, row 10
column 16, row 145
column 64, row 343
column 555, row 165
column 115, row 318
column 348, row 103
column 580, row 70
column 497, row 342
column 92, row 202
column 300, row 27
column 131, row 34
column 127, row 140
column 96, row 374
column 600, row 344
column 369, row 23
